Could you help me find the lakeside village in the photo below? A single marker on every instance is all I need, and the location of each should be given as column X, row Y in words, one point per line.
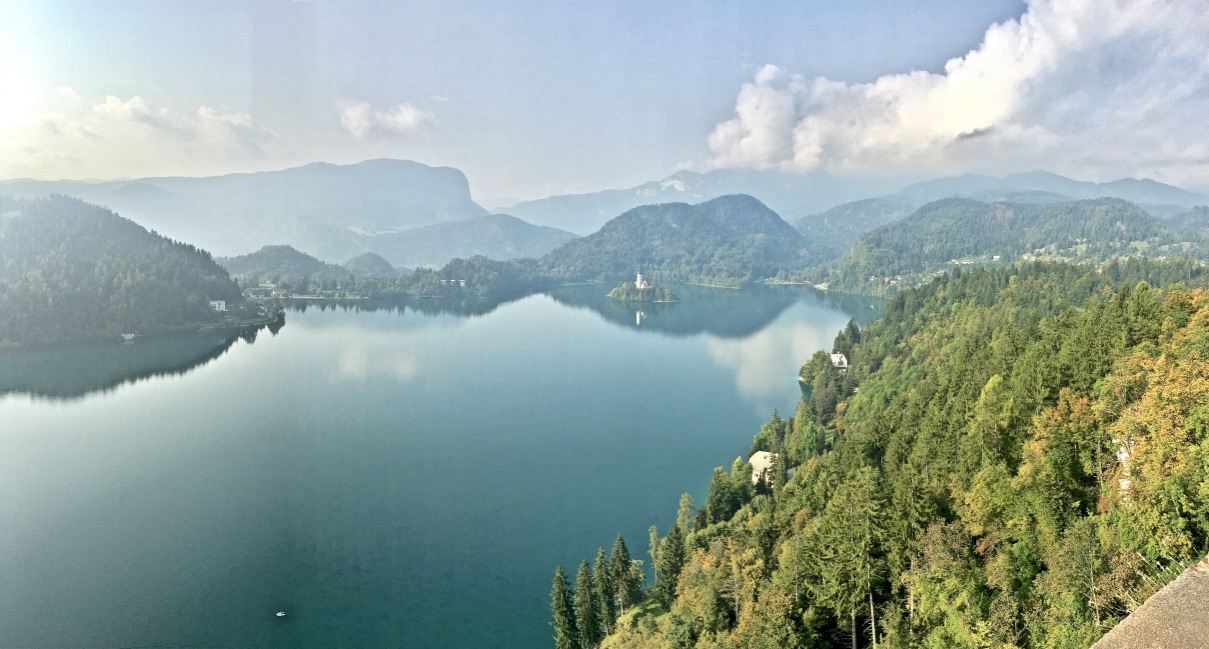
column 365, row 288
column 236, row 318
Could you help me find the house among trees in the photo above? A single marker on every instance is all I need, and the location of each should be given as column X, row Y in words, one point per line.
column 840, row 362
column 761, row 467
column 218, row 305
column 641, row 283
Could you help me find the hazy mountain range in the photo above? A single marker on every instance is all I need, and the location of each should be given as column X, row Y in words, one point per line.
column 798, row 197
column 789, row 195
column 409, row 213
column 413, row 215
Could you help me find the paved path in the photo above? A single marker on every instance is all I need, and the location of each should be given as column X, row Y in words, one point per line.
column 1176, row 617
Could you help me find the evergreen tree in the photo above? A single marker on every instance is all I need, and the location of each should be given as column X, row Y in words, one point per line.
column 566, row 633
column 672, row 557
column 851, row 530
column 625, row 576
column 684, row 515
column 970, row 494
column 723, row 499
column 587, row 609
column 602, row 586
column 779, row 472
column 653, row 535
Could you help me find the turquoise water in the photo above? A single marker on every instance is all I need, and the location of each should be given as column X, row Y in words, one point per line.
column 388, row 478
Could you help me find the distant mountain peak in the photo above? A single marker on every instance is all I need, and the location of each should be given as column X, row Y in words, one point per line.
column 1041, row 183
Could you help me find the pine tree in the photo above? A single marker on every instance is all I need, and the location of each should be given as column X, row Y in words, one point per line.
column 587, row 609
column 851, row 530
column 602, row 585
column 722, row 500
column 624, row 575
column 672, row 556
column 684, row 515
column 653, row 534
column 566, row 634
column 780, row 468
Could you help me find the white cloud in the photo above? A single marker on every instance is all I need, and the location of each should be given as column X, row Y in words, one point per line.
column 360, row 119
column 358, row 364
column 68, row 137
column 1098, row 87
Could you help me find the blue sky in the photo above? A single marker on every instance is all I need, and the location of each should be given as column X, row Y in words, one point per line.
column 534, row 98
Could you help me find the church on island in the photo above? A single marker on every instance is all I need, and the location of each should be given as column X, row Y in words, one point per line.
column 641, row 283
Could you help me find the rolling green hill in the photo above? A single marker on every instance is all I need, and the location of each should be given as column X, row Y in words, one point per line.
column 70, row 270
column 1193, row 224
column 962, row 231
column 370, row 265
column 727, row 241
column 830, row 233
column 280, row 262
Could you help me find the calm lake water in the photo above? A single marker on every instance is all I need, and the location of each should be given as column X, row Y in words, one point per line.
column 388, row 478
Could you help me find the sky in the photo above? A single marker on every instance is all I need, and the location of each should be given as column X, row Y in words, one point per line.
column 533, row 97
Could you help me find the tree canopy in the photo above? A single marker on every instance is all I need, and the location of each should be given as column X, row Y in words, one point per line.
column 1014, row 457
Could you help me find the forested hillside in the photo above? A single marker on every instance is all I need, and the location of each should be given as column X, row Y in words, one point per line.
column 727, row 241
column 962, row 230
column 70, row 270
column 1017, row 457
column 371, row 265
column 283, row 271
column 280, row 263
column 1192, row 224
column 830, row 233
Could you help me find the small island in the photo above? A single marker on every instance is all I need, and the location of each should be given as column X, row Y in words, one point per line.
column 641, row 290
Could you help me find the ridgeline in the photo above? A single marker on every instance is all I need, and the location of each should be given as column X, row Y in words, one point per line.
column 71, row 271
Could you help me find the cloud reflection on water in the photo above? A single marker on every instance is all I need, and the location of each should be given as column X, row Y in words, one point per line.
column 766, row 363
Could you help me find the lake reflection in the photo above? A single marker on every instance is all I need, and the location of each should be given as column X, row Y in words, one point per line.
column 396, row 476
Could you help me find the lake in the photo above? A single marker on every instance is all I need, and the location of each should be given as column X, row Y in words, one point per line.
column 400, row 476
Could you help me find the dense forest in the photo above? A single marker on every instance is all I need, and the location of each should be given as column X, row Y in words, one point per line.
column 1192, row 224
column 965, row 231
column 371, row 264
column 1015, row 457
column 290, row 272
column 729, row 241
column 830, row 233
column 70, row 270
column 273, row 262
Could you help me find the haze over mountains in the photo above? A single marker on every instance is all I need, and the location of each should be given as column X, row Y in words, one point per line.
column 334, row 212
column 797, row 197
column 789, row 195
column 412, row 215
